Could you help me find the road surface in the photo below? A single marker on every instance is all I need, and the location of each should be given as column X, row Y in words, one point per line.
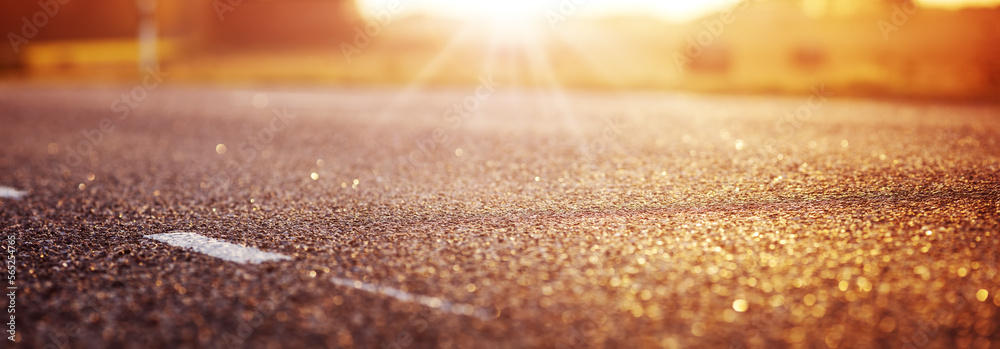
column 490, row 216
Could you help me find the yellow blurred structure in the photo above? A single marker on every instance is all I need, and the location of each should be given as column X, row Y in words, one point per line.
column 98, row 59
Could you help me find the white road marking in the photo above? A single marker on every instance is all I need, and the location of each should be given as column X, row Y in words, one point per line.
column 11, row 193
column 241, row 254
column 432, row 302
column 217, row 248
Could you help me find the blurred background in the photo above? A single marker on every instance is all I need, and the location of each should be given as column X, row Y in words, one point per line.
column 883, row 48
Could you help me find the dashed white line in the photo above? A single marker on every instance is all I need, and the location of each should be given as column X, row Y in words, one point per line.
column 217, row 248
column 11, row 193
column 242, row 254
column 431, row 302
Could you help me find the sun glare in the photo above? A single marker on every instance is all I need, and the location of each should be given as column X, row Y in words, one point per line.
column 499, row 11
column 507, row 11
column 507, row 19
column 521, row 10
column 492, row 10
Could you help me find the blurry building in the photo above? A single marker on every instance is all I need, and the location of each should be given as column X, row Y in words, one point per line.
column 880, row 48
column 74, row 36
column 273, row 23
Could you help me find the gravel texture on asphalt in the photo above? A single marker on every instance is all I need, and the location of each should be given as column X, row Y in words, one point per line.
column 523, row 219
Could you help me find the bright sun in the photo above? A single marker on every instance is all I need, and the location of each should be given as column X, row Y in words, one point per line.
column 507, row 11
column 504, row 17
column 471, row 10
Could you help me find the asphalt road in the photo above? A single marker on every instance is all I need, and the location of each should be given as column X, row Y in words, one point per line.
column 519, row 218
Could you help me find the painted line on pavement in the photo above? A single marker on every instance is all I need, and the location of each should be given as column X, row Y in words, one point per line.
column 217, row 248
column 431, row 302
column 241, row 254
column 11, row 193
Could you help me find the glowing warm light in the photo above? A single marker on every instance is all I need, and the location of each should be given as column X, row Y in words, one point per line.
column 741, row 305
column 519, row 10
column 505, row 11
column 959, row 3
column 511, row 18
column 551, row 44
